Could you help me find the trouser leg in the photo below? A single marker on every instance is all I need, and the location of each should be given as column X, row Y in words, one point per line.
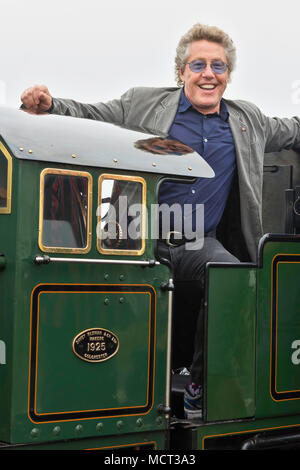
column 189, row 268
column 186, row 306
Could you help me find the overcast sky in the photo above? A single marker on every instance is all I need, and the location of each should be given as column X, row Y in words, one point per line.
column 93, row 50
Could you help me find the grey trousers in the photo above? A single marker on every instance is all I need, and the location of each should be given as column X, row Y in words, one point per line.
column 189, row 279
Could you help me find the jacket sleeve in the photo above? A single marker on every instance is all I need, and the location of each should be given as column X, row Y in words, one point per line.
column 114, row 111
column 280, row 133
column 274, row 134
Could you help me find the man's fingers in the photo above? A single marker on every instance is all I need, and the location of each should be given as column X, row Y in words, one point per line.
column 45, row 100
column 27, row 98
column 37, row 98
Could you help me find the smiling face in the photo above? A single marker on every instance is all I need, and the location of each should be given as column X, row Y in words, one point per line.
column 205, row 89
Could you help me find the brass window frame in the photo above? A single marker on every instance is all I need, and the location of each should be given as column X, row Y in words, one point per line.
column 138, row 179
column 7, row 209
column 58, row 249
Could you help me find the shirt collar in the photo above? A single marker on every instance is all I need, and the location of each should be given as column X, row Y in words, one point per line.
column 184, row 105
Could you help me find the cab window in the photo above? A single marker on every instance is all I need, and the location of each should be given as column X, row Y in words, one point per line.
column 5, row 180
column 65, row 211
column 121, row 215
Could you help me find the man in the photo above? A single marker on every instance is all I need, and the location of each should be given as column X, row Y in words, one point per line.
column 231, row 135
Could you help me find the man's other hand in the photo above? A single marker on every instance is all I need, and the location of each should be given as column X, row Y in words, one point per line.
column 36, row 99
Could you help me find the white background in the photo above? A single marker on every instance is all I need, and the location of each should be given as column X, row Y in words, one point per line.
column 94, row 50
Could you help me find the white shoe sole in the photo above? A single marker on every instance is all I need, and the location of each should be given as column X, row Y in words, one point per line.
column 193, row 414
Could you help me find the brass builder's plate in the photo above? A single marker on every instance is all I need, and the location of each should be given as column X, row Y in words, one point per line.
column 95, row 345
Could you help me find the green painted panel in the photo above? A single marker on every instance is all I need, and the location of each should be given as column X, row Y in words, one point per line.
column 67, row 383
column 287, row 327
column 232, row 434
column 8, row 243
column 52, row 380
column 144, row 441
column 231, row 312
column 278, row 328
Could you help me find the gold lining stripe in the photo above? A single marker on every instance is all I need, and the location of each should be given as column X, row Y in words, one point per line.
column 7, row 209
column 119, row 446
column 36, row 368
column 271, row 325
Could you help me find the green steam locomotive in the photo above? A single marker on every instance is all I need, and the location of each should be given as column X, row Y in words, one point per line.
column 86, row 309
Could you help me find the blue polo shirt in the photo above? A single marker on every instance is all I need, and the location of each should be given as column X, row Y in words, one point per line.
column 209, row 135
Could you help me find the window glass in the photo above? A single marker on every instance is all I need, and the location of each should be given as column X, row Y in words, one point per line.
column 66, row 208
column 121, row 215
column 3, row 180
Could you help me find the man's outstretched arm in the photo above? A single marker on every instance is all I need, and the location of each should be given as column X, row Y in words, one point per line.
column 38, row 100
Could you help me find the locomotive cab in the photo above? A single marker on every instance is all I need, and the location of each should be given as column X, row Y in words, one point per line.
column 87, row 301
column 85, row 305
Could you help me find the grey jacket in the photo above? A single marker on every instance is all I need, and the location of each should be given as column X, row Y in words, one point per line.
column 152, row 110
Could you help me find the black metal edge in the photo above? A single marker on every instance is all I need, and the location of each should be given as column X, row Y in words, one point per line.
column 274, row 237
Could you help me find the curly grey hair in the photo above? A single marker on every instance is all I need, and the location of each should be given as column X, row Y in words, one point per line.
column 209, row 33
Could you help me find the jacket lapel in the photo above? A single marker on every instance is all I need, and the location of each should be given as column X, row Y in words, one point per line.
column 240, row 133
column 251, row 224
column 165, row 113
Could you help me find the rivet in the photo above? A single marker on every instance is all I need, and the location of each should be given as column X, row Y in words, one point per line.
column 34, row 432
column 78, row 428
column 244, row 129
column 106, row 301
column 21, row 148
column 106, row 276
column 122, row 277
column 139, row 422
column 120, row 424
column 56, row 430
column 29, row 151
column 73, row 155
column 190, row 168
column 122, row 300
column 153, row 164
column 99, row 427
column 115, row 160
column 159, row 420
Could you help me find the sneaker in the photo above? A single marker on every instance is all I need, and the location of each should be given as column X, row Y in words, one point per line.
column 192, row 405
column 181, row 371
column 184, row 371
